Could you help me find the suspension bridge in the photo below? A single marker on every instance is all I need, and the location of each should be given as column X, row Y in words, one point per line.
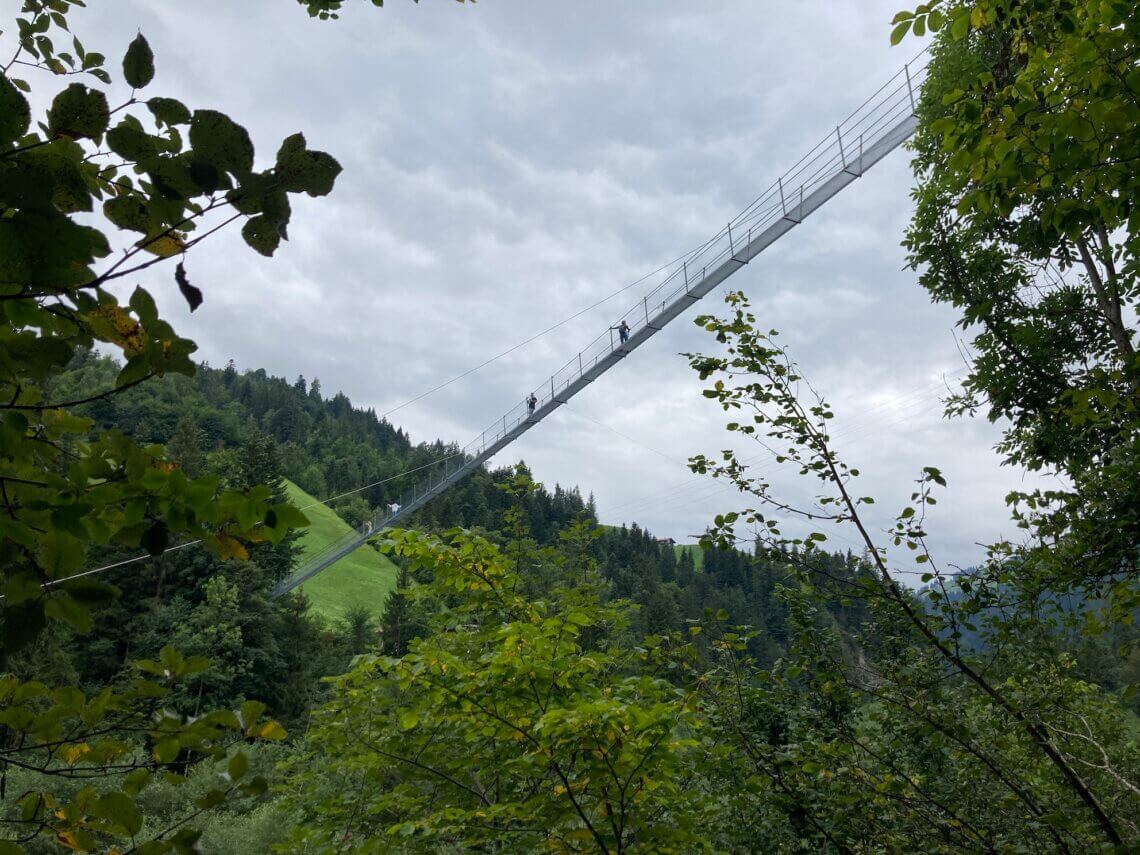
column 877, row 127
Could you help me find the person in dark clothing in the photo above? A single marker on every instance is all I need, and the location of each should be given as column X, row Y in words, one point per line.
column 531, row 403
column 623, row 331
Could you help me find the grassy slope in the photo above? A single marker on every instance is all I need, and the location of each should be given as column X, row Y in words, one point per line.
column 697, row 553
column 362, row 578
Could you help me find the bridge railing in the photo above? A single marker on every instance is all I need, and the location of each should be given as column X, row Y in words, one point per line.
column 840, row 151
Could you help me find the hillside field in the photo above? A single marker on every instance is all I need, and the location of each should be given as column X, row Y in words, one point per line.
column 693, row 549
column 363, row 578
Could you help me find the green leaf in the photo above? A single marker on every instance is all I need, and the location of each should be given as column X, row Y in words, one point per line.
column 256, row 786
column 138, row 64
column 60, row 553
column 136, row 781
column 217, row 139
column 78, row 112
column 290, row 517
column 900, row 31
column 47, row 248
column 90, row 592
column 212, row 799
column 250, row 712
column 185, row 841
column 128, row 212
column 166, row 749
column 21, row 587
column 131, row 141
column 15, row 115
column 62, row 607
column 408, row 720
column 302, row 170
column 169, row 111
column 238, row 766
column 262, row 235
column 960, row 26
column 121, row 810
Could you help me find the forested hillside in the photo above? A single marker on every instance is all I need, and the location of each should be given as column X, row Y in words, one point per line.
column 324, row 445
column 228, row 424
column 534, row 681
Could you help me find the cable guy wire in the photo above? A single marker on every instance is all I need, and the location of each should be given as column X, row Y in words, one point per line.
column 147, row 555
column 535, row 337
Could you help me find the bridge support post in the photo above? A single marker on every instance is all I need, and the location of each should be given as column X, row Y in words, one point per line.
column 909, row 88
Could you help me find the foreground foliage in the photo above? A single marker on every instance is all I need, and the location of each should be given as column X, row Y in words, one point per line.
column 551, row 686
column 91, row 193
column 515, row 722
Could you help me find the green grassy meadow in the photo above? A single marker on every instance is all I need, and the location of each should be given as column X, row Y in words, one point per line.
column 363, row 578
column 695, row 550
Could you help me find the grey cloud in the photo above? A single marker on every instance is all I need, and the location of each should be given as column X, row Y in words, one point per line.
column 507, row 164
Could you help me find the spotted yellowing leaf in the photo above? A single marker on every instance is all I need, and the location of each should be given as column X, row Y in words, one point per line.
column 111, row 323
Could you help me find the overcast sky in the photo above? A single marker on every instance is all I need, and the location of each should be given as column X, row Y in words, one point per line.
column 509, row 163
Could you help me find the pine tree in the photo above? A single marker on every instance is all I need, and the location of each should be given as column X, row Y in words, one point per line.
column 396, row 625
column 187, row 447
column 359, row 630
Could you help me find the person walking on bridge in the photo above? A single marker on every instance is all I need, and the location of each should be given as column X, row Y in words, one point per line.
column 531, row 403
column 623, row 331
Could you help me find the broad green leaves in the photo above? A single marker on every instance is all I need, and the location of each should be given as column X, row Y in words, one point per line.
column 169, row 111
column 93, row 192
column 221, row 142
column 76, row 735
column 261, row 235
column 968, row 659
column 523, row 693
column 155, row 187
column 15, row 115
column 301, row 170
column 79, row 113
column 1027, row 129
column 138, row 63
